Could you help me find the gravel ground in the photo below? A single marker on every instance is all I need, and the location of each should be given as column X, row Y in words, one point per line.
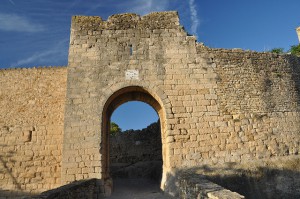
column 137, row 189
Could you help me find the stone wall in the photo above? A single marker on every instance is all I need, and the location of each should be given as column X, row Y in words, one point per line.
column 99, row 64
column 31, row 129
column 251, row 110
column 216, row 106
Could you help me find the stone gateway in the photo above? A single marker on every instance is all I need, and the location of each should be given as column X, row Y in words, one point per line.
column 216, row 106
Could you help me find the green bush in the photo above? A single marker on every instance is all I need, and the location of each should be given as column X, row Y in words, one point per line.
column 114, row 128
column 277, row 50
column 295, row 50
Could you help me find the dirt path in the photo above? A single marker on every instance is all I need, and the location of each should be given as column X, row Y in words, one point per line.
column 137, row 189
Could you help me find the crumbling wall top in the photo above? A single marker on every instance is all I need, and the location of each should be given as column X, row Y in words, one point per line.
column 34, row 68
column 155, row 20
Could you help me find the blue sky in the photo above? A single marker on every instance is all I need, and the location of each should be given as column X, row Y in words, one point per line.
column 36, row 32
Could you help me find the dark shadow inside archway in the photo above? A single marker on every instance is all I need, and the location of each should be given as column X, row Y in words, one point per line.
column 129, row 155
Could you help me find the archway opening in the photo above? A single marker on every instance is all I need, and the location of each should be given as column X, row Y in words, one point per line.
column 122, row 96
column 135, row 151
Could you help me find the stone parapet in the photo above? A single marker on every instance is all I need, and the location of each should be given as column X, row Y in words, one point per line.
column 198, row 187
column 155, row 20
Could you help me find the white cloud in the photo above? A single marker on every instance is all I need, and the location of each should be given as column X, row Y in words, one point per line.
column 194, row 17
column 144, row 7
column 11, row 1
column 33, row 58
column 54, row 54
column 13, row 22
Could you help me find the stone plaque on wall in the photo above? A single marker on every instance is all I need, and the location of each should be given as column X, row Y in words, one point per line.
column 132, row 75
